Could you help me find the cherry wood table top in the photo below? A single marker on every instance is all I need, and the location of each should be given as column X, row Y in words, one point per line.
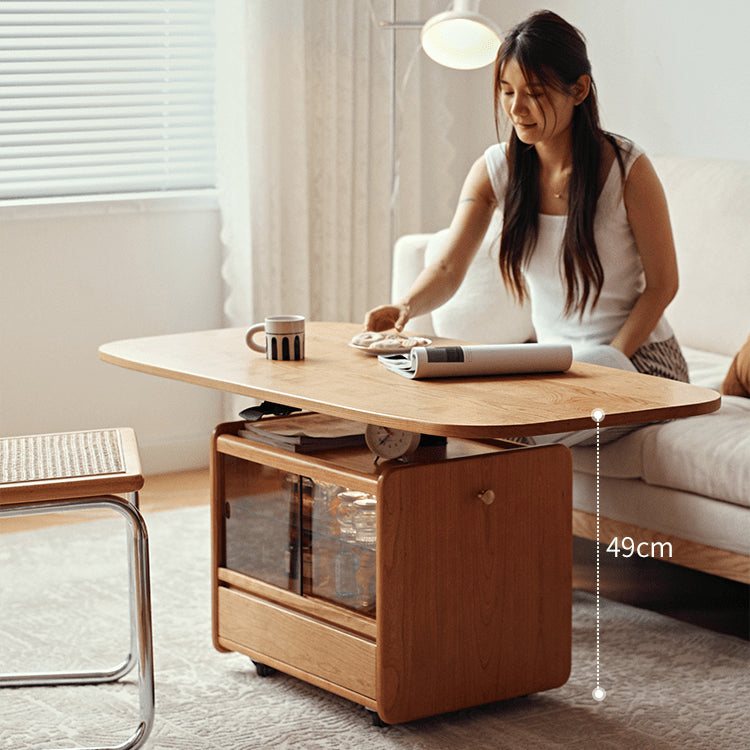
column 341, row 381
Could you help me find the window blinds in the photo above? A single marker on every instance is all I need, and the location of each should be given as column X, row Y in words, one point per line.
column 101, row 97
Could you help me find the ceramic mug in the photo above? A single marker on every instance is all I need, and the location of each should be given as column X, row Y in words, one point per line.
column 285, row 337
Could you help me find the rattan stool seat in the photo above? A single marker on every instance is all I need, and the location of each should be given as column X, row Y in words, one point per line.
column 69, row 465
column 71, row 471
column 60, row 455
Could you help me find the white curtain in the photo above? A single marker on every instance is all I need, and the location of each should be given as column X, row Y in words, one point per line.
column 303, row 126
column 304, row 159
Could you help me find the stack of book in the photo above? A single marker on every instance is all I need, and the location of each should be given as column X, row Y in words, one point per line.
column 305, row 433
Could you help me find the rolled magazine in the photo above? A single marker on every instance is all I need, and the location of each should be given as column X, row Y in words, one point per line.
column 484, row 359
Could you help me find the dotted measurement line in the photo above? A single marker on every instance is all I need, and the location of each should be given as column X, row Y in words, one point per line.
column 598, row 693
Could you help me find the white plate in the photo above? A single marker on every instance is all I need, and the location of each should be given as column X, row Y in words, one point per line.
column 389, row 350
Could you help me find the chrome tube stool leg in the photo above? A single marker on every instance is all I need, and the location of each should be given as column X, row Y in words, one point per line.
column 140, row 605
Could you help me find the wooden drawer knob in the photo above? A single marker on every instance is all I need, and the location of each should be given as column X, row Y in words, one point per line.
column 487, row 497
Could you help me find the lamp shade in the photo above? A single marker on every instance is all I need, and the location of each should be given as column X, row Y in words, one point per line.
column 461, row 39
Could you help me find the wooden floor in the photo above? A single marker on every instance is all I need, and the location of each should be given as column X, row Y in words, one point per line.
column 707, row 601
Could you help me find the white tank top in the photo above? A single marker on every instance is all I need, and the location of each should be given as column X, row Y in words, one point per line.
column 624, row 279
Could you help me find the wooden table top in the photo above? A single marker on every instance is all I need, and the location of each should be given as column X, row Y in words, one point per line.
column 339, row 380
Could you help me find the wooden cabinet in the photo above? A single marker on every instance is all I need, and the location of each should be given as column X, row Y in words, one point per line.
column 472, row 570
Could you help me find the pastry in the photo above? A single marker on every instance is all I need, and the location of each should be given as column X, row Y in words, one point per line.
column 388, row 342
column 412, row 341
column 366, row 338
column 383, row 342
column 398, row 342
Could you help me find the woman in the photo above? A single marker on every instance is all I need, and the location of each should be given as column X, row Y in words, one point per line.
column 586, row 233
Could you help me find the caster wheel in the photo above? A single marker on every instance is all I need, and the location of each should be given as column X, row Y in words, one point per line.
column 376, row 720
column 263, row 670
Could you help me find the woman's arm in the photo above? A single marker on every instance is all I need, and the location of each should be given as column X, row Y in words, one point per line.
column 648, row 216
column 440, row 280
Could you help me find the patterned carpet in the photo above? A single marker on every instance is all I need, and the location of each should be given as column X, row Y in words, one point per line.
column 669, row 684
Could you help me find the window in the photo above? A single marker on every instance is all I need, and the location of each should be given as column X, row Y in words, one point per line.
column 102, row 97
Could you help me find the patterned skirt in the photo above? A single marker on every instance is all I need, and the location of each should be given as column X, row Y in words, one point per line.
column 663, row 359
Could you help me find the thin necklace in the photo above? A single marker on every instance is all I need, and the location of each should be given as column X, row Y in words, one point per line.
column 560, row 195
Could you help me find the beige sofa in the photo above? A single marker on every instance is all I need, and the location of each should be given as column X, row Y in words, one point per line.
column 685, row 482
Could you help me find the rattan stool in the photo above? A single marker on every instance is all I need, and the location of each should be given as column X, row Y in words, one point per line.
column 80, row 470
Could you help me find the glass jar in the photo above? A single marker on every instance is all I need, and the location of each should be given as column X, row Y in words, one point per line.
column 365, row 527
column 346, row 567
column 323, row 494
column 325, row 544
column 365, row 524
column 345, row 513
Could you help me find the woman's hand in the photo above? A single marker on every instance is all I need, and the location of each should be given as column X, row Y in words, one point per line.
column 387, row 316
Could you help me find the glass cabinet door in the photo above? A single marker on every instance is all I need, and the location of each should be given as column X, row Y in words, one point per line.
column 313, row 538
column 262, row 525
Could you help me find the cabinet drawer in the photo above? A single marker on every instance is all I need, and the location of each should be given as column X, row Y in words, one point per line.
column 334, row 655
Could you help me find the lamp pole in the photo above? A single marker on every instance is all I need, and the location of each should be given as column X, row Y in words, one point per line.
column 395, row 25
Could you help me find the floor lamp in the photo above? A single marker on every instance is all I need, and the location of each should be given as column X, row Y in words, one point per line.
column 459, row 38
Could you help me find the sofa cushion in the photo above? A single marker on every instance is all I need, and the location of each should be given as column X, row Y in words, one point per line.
column 706, row 455
column 482, row 310
column 676, row 513
column 622, row 459
column 706, row 368
column 708, row 209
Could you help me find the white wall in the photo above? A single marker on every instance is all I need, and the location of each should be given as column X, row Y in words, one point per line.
column 672, row 74
column 74, row 277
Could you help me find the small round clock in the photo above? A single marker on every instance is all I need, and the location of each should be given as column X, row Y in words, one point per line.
column 388, row 443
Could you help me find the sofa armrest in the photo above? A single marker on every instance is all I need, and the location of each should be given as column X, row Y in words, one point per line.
column 408, row 263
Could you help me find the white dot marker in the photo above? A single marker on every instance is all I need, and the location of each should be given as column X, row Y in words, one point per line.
column 599, row 694
column 597, row 415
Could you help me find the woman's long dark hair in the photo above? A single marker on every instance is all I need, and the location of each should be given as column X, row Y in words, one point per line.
column 551, row 51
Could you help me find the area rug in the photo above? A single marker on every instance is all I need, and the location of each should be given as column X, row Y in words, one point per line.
column 669, row 684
